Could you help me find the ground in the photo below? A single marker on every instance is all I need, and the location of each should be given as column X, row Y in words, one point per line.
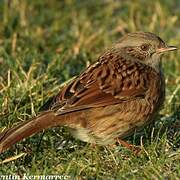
column 45, row 43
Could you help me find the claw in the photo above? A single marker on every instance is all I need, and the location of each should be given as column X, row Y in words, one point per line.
column 136, row 150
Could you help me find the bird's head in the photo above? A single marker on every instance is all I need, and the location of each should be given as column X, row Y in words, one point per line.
column 145, row 46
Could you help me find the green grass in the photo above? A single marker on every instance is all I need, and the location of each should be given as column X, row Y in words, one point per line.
column 43, row 44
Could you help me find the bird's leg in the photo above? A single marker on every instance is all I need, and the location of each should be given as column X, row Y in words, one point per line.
column 93, row 145
column 136, row 150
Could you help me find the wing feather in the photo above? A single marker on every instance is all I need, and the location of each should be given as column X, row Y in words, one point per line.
column 111, row 80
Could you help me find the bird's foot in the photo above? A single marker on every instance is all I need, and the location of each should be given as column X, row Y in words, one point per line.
column 136, row 150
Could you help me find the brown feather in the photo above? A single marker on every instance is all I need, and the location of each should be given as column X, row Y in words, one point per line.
column 27, row 128
column 105, row 85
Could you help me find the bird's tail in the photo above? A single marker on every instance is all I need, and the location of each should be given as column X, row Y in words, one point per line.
column 43, row 121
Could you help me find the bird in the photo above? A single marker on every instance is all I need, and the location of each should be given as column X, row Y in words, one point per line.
column 118, row 94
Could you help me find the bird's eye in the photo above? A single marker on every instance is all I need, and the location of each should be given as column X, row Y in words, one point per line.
column 144, row 47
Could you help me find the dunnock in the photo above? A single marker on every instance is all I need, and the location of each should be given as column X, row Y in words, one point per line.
column 117, row 95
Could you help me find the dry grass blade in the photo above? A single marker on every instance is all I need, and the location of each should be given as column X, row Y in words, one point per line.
column 13, row 158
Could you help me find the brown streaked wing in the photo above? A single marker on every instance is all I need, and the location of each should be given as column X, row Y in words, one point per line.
column 104, row 83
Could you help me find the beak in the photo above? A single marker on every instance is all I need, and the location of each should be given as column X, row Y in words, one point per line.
column 167, row 48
